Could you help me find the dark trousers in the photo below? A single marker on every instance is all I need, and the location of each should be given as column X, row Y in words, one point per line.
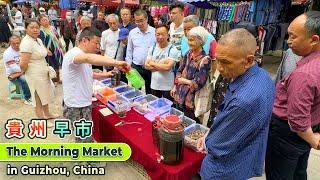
column 287, row 154
column 160, row 94
column 146, row 74
column 67, row 40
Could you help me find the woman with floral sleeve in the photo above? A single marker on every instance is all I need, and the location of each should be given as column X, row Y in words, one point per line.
column 192, row 73
column 50, row 39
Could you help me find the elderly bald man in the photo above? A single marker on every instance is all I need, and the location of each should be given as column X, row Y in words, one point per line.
column 237, row 139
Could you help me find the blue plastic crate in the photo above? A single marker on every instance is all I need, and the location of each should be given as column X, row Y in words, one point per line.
column 118, row 103
column 123, row 89
column 192, row 143
column 133, row 94
column 141, row 104
column 160, row 105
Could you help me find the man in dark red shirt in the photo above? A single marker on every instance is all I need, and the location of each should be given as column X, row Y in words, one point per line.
column 295, row 124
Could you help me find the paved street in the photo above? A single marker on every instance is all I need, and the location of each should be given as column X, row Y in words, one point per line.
column 114, row 171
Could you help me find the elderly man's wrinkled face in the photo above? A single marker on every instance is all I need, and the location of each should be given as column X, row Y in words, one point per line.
column 299, row 41
column 187, row 27
column 85, row 24
column 231, row 62
column 15, row 43
column 125, row 16
column 113, row 24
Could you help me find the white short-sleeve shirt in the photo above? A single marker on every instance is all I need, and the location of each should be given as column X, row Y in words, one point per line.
column 163, row 80
column 77, row 80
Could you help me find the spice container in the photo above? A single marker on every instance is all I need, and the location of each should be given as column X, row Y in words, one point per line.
column 193, row 134
column 119, row 104
column 106, row 81
column 133, row 94
column 160, row 105
column 141, row 104
column 171, row 139
column 187, row 122
column 123, row 89
column 172, row 111
column 104, row 93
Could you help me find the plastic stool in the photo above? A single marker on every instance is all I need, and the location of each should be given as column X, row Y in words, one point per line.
column 15, row 92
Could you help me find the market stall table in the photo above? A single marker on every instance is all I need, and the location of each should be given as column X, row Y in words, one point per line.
column 139, row 138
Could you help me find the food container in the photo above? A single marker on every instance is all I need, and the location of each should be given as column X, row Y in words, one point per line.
column 104, row 93
column 141, row 104
column 115, row 79
column 193, row 133
column 115, row 86
column 106, row 81
column 172, row 121
column 173, row 111
column 123, row 89
column 156, row 125
column 187, row 122
column 171, row 143
column 133, row 94
column 97, row 85
column 118, row 104
column 160, row 105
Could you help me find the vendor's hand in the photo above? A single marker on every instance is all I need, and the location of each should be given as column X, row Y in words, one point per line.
column 200, row 145
column 123, row 66
column 49, row 52
column 173, row 91
column 109, row 74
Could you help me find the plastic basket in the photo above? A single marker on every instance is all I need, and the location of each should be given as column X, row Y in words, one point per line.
column 160, row 105
column 133, row 94
column 187, row 122
column 173, row 111
column 141, row 104
column 104, row 94
column 123, row 89
column 192, row 143
column 118, row 103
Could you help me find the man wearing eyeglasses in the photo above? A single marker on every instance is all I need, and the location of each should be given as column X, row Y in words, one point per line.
column 140, row 39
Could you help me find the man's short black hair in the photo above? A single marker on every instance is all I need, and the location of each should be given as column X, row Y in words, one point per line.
column 163, row 26
column 176, row 5
column 313, row 23
column 89, row 32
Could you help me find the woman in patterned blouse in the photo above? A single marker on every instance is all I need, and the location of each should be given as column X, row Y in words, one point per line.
column 192, row 73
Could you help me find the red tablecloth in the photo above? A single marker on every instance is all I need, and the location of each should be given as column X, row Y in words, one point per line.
column 143, row 149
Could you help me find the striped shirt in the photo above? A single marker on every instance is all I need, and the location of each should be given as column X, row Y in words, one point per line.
column 237, row 140
column 298, row 95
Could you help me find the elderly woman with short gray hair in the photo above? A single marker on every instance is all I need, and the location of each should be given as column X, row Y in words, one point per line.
column 192, row 73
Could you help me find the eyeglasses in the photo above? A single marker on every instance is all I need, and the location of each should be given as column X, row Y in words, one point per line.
column 140, row 21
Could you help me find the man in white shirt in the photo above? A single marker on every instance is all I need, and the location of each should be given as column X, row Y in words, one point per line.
column 53, row 15
column 77, row 76
column 109, row 37
column 18, row 18
column 176, row 27
column 11, row 59
column 160, row 61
